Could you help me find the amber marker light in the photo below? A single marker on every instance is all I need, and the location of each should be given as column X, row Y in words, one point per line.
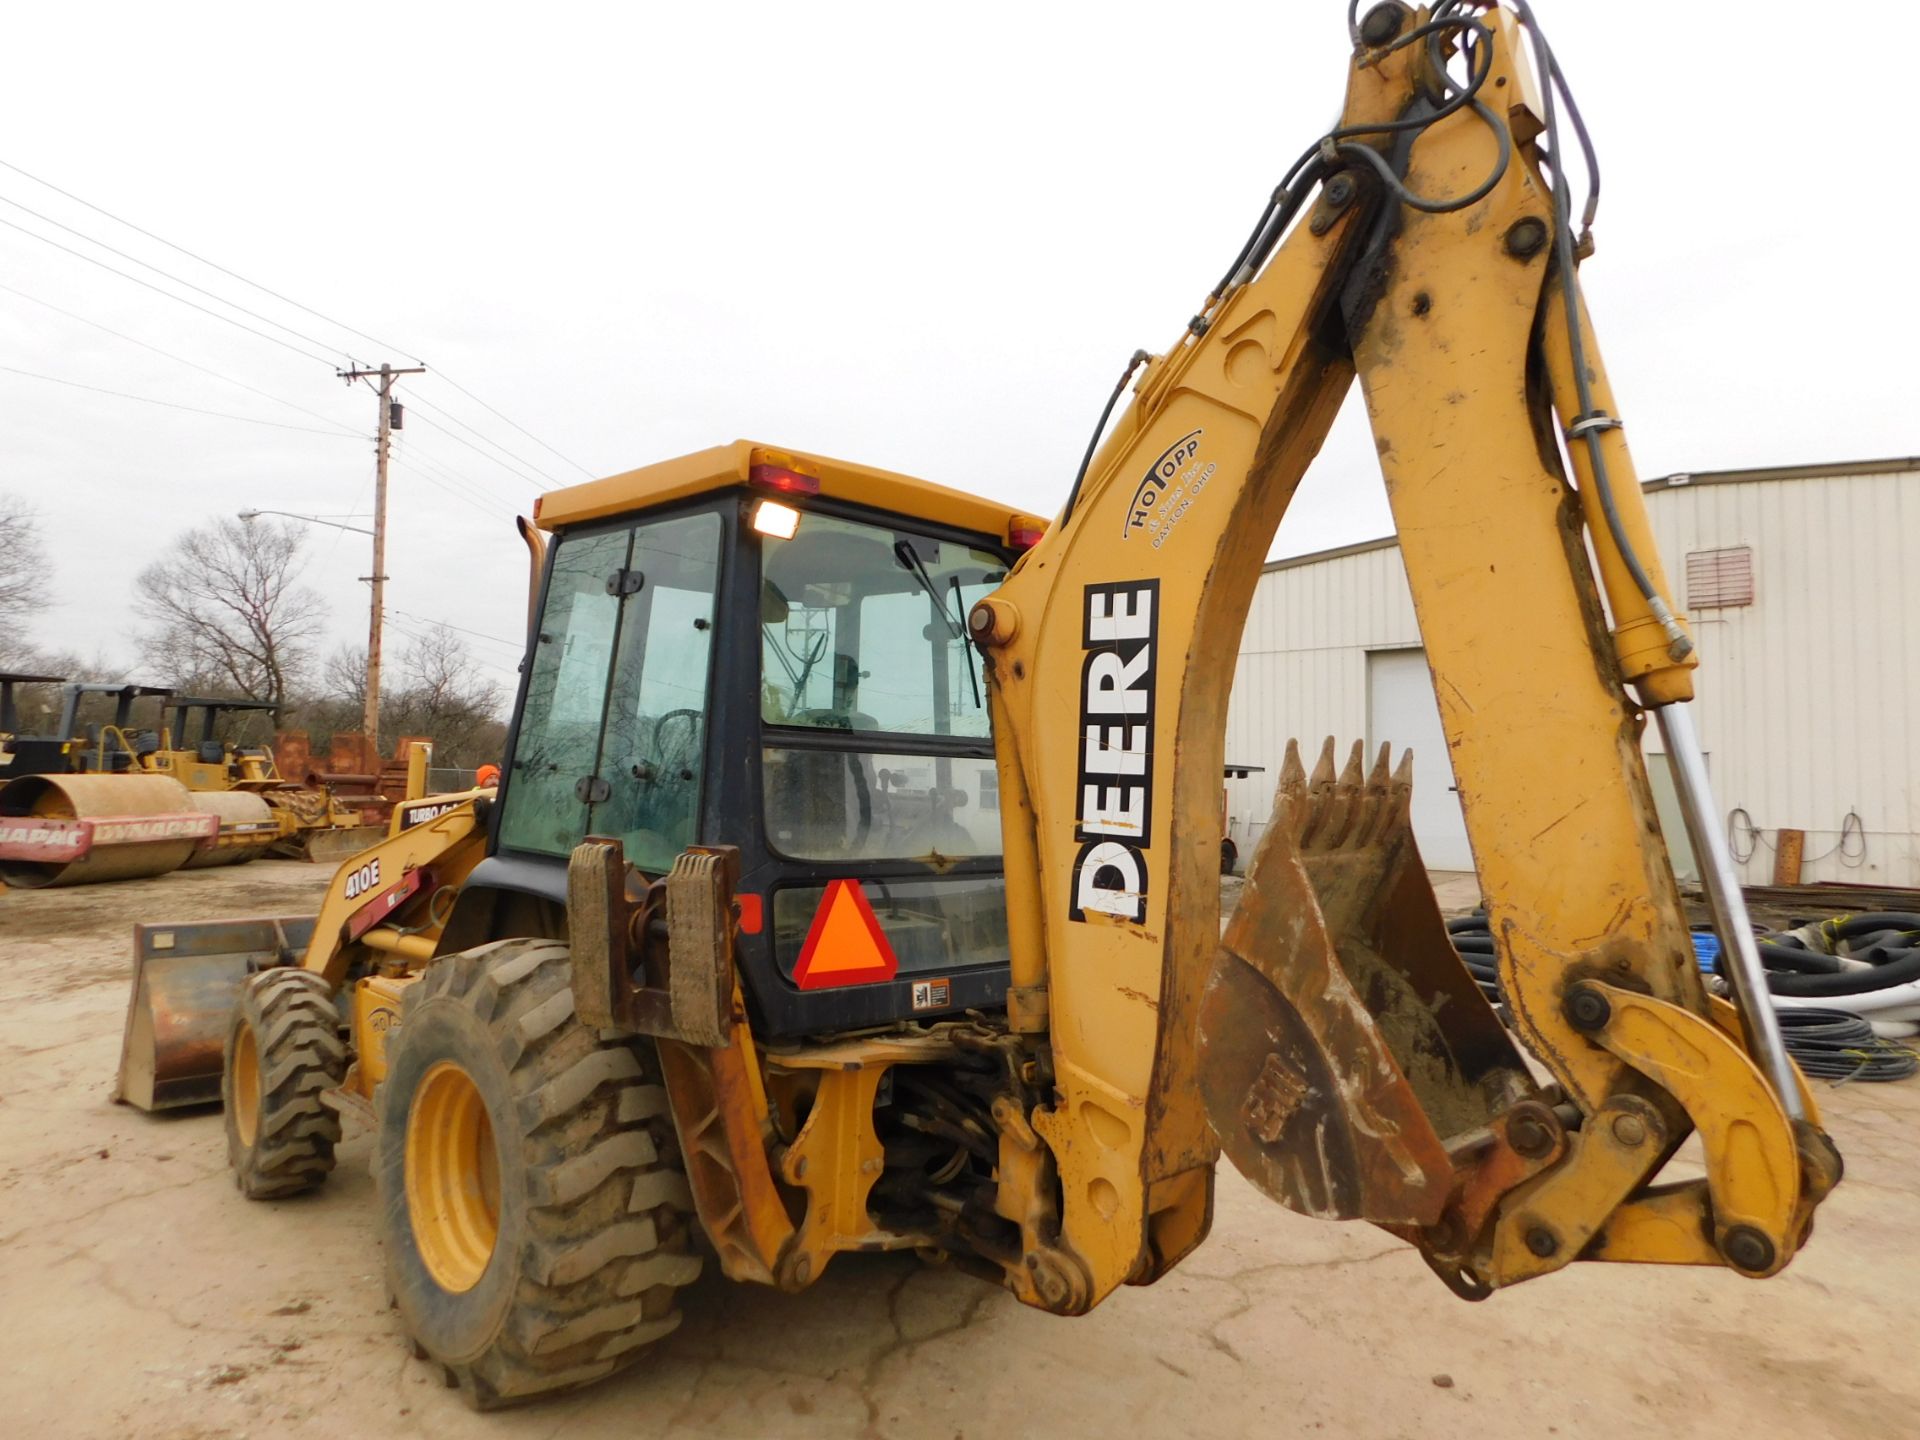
column 770, row 517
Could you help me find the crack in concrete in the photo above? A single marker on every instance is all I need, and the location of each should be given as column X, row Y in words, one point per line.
column 78, row 1218
column 901, row 1345
column 1237, row 1282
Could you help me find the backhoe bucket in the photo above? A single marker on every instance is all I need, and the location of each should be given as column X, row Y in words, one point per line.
column 186, row 979
column 1349, row 1063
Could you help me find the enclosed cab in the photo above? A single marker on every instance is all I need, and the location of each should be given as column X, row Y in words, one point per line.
column 769, row 650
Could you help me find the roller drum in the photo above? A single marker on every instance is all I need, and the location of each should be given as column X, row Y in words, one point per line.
column 82, row 829
column 247, row 828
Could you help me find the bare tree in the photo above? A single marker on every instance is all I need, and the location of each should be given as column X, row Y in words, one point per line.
column 433, row 690
column 228, row 612
column 23, row 567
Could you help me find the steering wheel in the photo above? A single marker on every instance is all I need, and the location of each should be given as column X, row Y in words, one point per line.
column 653, row 741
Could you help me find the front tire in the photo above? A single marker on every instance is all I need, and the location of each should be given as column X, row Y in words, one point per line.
column 536, row 1222
column 283, row 1052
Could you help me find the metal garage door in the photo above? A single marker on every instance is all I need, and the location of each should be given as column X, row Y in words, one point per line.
column 1401, row 710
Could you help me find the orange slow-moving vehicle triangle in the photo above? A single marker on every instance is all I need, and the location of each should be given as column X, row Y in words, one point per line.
column 846, row 945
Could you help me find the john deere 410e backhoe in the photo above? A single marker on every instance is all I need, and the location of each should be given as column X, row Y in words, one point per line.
column 852, row 883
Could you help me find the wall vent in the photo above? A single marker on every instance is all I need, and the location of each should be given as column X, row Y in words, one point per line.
column 1719, row 579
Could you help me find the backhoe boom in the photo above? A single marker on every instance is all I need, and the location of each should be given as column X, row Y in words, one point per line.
column 1333, row 1042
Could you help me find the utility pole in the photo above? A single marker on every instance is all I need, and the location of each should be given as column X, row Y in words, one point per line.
column 385, row 375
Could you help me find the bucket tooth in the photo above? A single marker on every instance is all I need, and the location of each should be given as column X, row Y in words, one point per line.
column 1312, row 815
column 1345, row 1050
column 1344, row 805
column 1373, row 813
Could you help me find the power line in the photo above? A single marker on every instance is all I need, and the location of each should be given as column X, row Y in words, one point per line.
column 181, row 359
column 213, row 265
column 438, row 410
column 275, row 339
column 490, row 410
column 514, row 645
column 501, row 671
column 435, row 425
column 275, row 294
column 148, row 264
column 459, row 495
column 174, row 405
column 427, row 467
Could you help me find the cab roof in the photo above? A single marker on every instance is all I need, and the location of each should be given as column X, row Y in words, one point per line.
column 727, row 466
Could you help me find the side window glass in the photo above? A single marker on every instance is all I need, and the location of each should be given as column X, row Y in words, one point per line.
column 559, row 735
column 654, row 756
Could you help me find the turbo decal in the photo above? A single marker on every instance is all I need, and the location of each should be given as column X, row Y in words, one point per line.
column 1115, row 782
column 420, row 814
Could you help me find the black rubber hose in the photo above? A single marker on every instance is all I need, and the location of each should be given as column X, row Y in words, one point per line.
column 1778, row 958
column 1850, row 926
column 1837, row 1045
column 1901, row 971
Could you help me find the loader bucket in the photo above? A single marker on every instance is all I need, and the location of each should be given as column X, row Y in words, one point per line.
column 186, row 979
column 332, row 846
column 82, row 829
column 1349, row 1064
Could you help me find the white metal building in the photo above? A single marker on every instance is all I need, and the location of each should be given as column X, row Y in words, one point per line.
column 1803, row 587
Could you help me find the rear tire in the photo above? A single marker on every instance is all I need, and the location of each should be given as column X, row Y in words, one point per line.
column 283, row 1051
column 536, row 1220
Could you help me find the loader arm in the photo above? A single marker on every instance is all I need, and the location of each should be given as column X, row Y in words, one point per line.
column 1332, row 1044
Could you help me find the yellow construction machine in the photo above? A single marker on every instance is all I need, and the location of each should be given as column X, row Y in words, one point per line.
column 79, row 809
column 303, row 821
column 853, row 880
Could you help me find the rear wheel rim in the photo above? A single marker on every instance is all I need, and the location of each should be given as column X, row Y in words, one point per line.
column 453, row 1178
column 246, row 1085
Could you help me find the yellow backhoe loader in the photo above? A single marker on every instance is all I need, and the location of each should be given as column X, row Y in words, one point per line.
column 853, row 880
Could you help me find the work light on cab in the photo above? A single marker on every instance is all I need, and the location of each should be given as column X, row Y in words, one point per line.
column 770, row 517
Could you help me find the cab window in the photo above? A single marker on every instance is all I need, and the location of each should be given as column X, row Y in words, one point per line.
column 613, row 733
column 863, row 635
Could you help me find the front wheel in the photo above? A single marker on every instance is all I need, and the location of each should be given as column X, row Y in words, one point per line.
column 283, row 1053
column 536, row 1222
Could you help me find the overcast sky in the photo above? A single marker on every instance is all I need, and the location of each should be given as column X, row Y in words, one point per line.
column 922, row 238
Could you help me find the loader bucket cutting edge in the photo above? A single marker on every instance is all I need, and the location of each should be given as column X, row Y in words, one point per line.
column 331, row 847
column 186, row 979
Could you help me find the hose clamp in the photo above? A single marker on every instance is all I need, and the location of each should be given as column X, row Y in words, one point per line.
column 1588, row 424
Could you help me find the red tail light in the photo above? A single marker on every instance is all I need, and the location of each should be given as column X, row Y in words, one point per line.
column 779, row 477
column 1025, row 537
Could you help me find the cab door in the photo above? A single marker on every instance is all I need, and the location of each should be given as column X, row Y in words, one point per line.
column 612, row 731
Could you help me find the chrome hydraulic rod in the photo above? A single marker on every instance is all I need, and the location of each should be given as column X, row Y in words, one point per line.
column 1728, row 904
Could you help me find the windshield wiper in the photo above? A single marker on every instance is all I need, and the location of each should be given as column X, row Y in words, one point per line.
column 966, row 642
column 904, row 552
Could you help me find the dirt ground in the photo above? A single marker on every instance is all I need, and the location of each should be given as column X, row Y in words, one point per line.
column 141, row 1296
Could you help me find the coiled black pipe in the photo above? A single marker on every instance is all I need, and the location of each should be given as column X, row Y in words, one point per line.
column 1837, row 1045
column 1827, row 1044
